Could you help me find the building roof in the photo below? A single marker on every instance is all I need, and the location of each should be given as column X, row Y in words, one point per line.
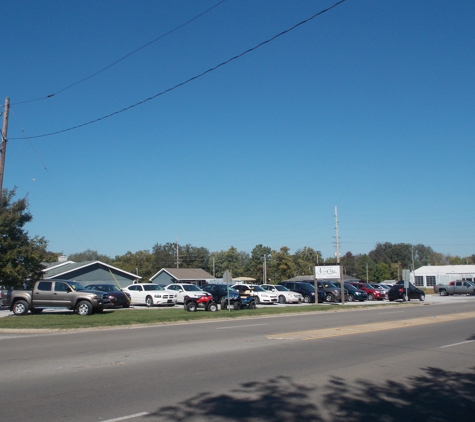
column 446, row 269
column 63, row 268
column 185, row 273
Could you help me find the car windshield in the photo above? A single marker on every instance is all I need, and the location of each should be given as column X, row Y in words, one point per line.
column 149, row 287
column 350, row 287
column 368, row 286
column 257, row 288
column 329, row 285
column 191, row 288
column 75, row 285
column 281, row 288
column 309, row 287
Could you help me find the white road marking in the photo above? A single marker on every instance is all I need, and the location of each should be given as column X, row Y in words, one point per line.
column 457, row 344
column 239, row 326
column 396, row 312
column 123, row 418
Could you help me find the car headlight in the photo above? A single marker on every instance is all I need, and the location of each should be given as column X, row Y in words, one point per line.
column 313, row 294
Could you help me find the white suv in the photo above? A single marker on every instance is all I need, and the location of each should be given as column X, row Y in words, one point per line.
column 258, row 292
column 182, row 290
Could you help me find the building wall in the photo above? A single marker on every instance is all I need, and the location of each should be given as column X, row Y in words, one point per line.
column 163, row 279
column 96, row 274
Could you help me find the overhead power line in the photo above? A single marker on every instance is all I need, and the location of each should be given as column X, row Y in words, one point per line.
column 190, row 79
column 122, row 58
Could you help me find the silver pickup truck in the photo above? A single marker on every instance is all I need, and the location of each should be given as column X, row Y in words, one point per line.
column 55, row 294
column 455, row 288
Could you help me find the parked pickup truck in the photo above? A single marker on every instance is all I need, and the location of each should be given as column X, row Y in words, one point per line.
column 455, row 288
column 55, row 294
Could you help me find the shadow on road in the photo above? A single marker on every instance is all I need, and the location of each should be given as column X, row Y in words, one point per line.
column 436, row 396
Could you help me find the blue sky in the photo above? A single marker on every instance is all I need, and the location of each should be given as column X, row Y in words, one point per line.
column 368, row 107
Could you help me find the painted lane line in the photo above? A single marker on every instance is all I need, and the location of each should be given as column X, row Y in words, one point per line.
column 366, row 328
column 239, row 326
column 123, row 418
column 385, row 313
column 457, row 344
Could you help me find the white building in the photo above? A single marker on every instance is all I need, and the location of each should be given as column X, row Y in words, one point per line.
column 432, row 275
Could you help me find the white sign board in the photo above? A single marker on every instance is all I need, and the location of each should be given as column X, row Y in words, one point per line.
column 327, row 272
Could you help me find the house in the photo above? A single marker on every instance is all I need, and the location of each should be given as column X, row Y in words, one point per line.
column 181, row 275
column 89, row 272
column 431, row 275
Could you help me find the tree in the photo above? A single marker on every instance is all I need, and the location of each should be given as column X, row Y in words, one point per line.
column 89, row 255
column 255, row 264
column 281, row 266
column 139, row 263
column 380, row 272
column 348, row 262
column 20, row 255
column 305, row 260
column 231, row 260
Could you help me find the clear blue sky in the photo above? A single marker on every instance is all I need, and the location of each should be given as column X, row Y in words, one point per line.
column 368, row 107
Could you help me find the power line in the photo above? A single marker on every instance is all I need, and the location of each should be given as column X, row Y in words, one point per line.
column 190, row 79
column 124, row 57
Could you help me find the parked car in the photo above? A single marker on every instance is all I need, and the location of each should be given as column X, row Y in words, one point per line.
column 150, row 294
column 332, row 292
column 116, row 296
column 397, row 291
column 354, row 294
column 373, row 294
column 220, row 295
column 55, row 294
column 455, row 288
column 261, row 295
column 185, row 289
column 307, row 290
column 284, row 295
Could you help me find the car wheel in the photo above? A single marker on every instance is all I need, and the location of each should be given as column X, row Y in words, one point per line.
column 257, row 299
column 370, row 296
column 443, row 292
column 191, row 307
column 84, row 308
column 236, row 306
column 329, row 297
column 282, row 299
column 351, row 298
column 224, row 304
column 252, row 305
column 149, row 301
column 212, row 307
column 422, row 297
column 20, row 307
column 306, row 299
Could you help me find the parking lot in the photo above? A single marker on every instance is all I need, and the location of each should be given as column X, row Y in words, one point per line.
column 431, row 299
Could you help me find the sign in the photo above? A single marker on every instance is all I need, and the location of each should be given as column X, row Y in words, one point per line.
column 227, row 277
column 327, row 272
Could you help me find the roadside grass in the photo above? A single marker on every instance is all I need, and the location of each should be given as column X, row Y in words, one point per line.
column 68, row 320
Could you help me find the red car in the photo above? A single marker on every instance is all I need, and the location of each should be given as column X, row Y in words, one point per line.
column 373, row 294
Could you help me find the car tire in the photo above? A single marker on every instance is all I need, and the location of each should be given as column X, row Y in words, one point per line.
column 252, row 305
column 443, row 293
column 351, row 298
column 329, row 297
column 282, row 299
column 257, row 299
column 20, row 307
column 84, row 308
column 191, row 307
column 237, row 306
column 422, row 297
column 212, row 307
column 306, row 299
column 224, row 304
column 149, row 301
column 370, row 296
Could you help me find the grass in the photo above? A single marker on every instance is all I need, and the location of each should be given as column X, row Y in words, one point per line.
column 111, row 318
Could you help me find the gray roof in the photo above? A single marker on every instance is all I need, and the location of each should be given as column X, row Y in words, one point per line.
column 64, row 268
column 186, row 273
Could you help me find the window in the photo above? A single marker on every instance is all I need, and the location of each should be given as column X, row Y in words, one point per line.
column 60, row 287
column 430, row 280
column 44, row 286
column 420, row 280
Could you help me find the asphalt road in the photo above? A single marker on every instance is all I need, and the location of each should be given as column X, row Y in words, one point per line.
column 356, row 365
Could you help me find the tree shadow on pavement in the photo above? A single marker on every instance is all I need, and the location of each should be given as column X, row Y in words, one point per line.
column 436, row 396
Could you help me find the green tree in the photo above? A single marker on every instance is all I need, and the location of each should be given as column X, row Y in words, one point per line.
column 89, row 255
column 380, row 272
column 305, row 260
column 136, row 263
column 282, row 267
column 20, row 255
column 364, row 264
column 255, row 264
column 348, row 262
column 231, row 260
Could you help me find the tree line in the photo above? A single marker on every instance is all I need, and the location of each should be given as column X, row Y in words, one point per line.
column 22, row 256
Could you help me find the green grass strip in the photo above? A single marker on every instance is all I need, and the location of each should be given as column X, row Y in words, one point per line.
column 111, row 318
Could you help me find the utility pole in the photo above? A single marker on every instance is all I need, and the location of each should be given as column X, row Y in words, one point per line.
column 264, row 275
column 4, row 143
column 342, row 284
column 177, row 254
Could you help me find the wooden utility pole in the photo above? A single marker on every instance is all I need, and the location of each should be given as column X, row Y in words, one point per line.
column 4, row 143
